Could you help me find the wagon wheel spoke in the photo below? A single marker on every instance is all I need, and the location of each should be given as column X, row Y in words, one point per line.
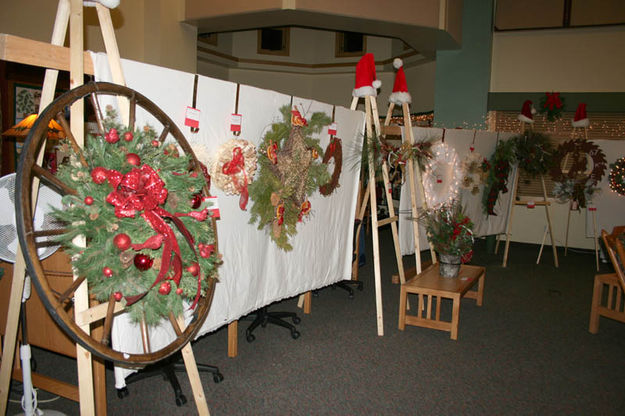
column 52, row 180
column 72, row 140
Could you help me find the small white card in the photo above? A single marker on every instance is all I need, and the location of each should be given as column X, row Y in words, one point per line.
column 192, row 117
column 235, row 122
column 332, row 129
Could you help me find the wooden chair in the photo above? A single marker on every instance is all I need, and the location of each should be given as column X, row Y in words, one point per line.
column 611, row 302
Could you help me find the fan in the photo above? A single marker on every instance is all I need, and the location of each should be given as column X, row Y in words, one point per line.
column 8, row 233
column 8, row 248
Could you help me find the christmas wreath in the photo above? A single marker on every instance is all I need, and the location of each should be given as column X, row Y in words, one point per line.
column 534, row 152
column 552, row 105
column 578, row 183
column 333, row 151
column 497, row 180
column 617, row 176
column 138, row 206
column 289, row 173
column 396, row 156
column 234, row 168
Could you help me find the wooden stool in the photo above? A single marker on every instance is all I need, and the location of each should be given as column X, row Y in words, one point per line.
column 431, row 284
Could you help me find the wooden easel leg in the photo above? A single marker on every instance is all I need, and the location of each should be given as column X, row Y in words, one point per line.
column 594, row 228
column 510, row 215
column 566, row 235
column 194, row 375
column 233, row 339
column 553, row 242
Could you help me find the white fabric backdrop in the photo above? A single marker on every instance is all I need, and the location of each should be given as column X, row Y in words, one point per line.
column 255, row 272
column 461, row 141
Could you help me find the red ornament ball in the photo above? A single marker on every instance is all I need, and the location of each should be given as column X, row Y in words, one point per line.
column 133, row 159
column 179, row 291
column 196, row 201
column 89, row 200
column 122, row 241
column 99, row 175
column 143, row 262
column 112, row 136
column 128, row 136
column 155, row 143
column 107, row 272
column 118, row 296
column 194, row 269
column 164, row 288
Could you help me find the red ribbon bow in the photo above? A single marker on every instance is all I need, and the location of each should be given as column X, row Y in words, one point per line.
column 233, row 169
column 142, row 190
column 553, row 100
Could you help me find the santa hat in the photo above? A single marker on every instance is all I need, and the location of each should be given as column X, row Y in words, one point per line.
column 527, row 112
column 580, row 119
column 400, row 94
column 366, row 81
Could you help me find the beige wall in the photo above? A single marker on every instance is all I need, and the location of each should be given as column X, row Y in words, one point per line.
column 571, row 60
column 146, row 30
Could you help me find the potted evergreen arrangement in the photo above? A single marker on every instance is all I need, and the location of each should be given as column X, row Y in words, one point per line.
column 451, row 234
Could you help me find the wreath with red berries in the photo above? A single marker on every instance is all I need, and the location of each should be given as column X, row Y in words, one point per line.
column 333, row 151
column 140, row 208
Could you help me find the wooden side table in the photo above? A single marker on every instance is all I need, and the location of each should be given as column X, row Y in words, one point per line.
column 432, row 286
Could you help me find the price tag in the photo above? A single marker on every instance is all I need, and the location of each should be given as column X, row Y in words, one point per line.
column 531, row 204
column 192, row 117
column 212, row 204
column 235, row 122
column 592, row 208
column 332, row 129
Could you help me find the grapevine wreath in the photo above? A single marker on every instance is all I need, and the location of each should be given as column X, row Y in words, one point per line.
column 289, row 173
column 333, row 151
column 139, row 207
column 578, row 183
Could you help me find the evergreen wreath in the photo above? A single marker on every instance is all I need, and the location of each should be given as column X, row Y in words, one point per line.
column 497, row 180
column 534, row 152
column 576, row 184
column 139, row 207
column 289, row 173
column 552, row 105
column 617, row 176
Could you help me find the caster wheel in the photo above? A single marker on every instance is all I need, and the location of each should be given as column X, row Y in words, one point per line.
column 351, row 295
column 123, row 392
column 250, row 337
column 295, row 334
column 296, row 320
column 180, row 400
column 217, row 378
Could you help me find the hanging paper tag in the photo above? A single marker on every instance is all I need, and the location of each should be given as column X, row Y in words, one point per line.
column 390, row 188
column 592, row 208
column 332, row 129
column 472, row 148
column 212, row 203
column 235, row 122
column 192, row 117
column 531, row 204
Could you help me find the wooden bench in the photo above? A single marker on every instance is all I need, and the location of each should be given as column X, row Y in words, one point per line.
column 431, row 286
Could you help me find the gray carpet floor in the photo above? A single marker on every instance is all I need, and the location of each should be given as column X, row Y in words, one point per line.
column 526, row 351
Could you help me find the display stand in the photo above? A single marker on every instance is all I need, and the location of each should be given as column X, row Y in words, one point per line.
column 414, row 180
column 55, row 56
column 373, row 120
column 514, row 203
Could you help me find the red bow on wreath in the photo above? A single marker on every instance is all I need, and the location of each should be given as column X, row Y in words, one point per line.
column 142, row 190
column 233, row 169
column 553, row 100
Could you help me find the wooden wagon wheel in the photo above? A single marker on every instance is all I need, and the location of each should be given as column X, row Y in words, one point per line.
column 58, row 304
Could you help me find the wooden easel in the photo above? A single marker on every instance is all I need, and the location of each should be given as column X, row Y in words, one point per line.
column 544, row 203
column 593, row 210
column 70, row 12
column 414, row 180
column 373, row 120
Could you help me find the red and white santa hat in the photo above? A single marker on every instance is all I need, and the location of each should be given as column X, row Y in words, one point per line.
column 527, row 112
column 366, row 81
column 580, row 119
column 400, row 94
